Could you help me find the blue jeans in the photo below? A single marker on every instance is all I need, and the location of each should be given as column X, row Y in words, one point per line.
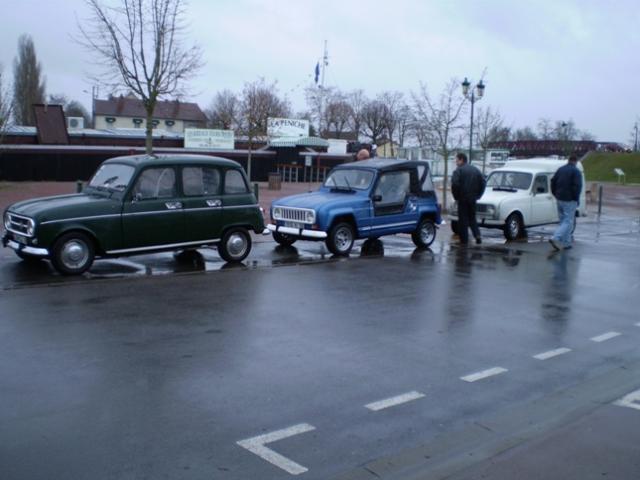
column 567, row 215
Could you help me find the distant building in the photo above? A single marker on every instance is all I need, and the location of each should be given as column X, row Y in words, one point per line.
column 128, row 112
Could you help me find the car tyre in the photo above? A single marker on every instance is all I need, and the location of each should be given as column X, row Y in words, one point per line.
column 513, row 227
column 425, row 234
column 284, row 239
column 235, row 245
column 340, row 239
column 73, row 253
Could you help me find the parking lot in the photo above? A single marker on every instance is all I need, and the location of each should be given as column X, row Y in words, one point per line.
column 392, row 363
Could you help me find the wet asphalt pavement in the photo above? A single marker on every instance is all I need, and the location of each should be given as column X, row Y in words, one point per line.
column 393, row 363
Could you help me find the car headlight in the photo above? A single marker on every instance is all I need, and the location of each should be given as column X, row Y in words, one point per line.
column 7, row 222
column 31, row 228
column 277, row 213
column 491, row 210
column 310, row 216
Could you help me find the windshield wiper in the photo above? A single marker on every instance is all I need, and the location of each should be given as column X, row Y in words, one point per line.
column 504, row 189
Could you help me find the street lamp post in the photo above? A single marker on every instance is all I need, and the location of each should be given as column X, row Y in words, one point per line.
column 471, row 96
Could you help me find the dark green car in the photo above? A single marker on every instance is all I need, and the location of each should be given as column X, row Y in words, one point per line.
column 139, row 204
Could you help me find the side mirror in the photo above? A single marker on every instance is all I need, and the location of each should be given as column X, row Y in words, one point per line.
column 377, row 198
column 136, row 198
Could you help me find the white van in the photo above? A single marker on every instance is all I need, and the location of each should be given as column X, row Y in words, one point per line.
column 518, row 196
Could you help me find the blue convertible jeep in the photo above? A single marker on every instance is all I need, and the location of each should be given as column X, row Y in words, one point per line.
column 365, row 199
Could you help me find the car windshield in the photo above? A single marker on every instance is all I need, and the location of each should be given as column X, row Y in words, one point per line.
column 112, row 176
column 510, row 180
column 349, row 179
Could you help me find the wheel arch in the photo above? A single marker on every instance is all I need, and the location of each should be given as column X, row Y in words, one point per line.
column 97, row 247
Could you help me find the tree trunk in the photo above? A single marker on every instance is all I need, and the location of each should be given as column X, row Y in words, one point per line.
column 149, row 132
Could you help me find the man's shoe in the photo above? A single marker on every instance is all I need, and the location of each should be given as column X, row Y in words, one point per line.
column 555, row 244
column 478, row 241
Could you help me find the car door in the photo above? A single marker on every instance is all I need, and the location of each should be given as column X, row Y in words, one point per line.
column 394, row 206
column 152, row 215
column 202, row 204
column 239, row 204
column 543, row 205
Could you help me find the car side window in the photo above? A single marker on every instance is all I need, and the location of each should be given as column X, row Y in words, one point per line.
column 541, row 184
column 393, row 187
column 156, row 183
column 234, row 182
column 199, row 181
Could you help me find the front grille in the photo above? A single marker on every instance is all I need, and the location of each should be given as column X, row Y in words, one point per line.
column 295, row 214
column 481, row 208
column 18, row 224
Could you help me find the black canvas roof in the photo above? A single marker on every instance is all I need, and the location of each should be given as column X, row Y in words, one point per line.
column 384, row 163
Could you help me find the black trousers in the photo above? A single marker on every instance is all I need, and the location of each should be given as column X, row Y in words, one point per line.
column 467, row 219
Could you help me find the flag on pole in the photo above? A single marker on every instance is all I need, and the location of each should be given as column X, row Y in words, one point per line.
column 317, row 72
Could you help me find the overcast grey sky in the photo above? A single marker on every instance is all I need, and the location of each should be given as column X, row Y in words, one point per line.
column 555, row 59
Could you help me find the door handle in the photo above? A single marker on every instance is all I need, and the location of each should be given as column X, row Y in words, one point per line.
column 173, row 205
column 214, row 203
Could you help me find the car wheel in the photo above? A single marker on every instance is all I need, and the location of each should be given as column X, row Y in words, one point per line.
column 425, row 234
column 454, row 227
column 284, row 239
column 513, row 228
column 27, row 257
column 72, row 253
column 235, row 245
column 340, row 239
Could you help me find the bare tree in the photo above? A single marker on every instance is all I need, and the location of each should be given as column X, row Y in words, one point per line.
column 337, row 115
column 140, row 47
column 489, row 127
column 373, row 121
column 525, row 133
column 393, row 103
column 28, row 84
column 259, row 102
column 406, row 123
column 633, row 137
column 6, row 105
column 357, row 102
column 224, row 111
column 440, row 120
column 545, row 129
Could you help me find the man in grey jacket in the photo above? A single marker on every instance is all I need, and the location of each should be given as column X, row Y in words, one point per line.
column 566, row 186
column 467, row 186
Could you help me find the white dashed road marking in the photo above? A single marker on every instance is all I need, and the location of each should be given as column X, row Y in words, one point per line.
column 257, row 445
column 393, row 401
column 552, row 353
column 605, row 336
column 474, row 377
column 631, row 400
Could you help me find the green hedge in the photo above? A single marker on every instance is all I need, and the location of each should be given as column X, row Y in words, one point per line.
column 598, row 166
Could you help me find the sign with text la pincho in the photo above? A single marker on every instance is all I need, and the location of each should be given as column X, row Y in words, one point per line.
column 287, row 127
column 209, row 139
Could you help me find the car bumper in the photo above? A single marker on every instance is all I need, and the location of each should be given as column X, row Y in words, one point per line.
column 298, row 232
column 19, row 247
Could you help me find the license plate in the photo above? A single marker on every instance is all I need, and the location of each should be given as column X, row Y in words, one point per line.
column 20, row 238
column 294, row 225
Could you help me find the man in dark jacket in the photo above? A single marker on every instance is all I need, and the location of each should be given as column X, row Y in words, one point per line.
column 467, row 186
column 566, row 186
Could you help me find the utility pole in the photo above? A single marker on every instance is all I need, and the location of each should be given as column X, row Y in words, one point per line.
column 635, row 147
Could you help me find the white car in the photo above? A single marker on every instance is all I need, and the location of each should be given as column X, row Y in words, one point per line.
column 518, row 196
